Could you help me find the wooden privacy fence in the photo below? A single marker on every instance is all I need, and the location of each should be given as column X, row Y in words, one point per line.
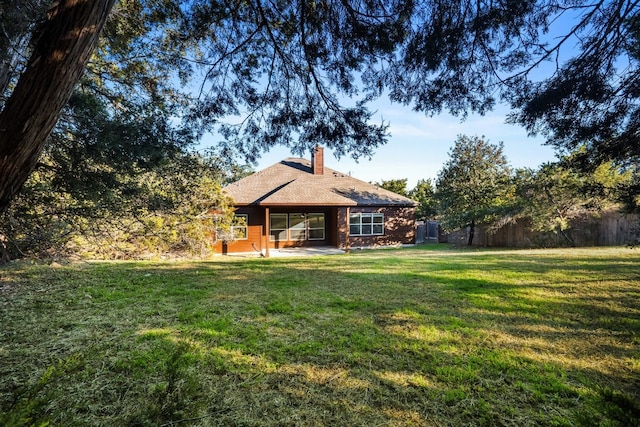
column 421, row 232
column 427, row 231
column 610, row 229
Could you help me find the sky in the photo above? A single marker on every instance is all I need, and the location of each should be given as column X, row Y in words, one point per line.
column 419, row 145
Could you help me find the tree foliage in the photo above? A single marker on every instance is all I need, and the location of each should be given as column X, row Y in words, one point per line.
column 153, row 210
column 19, row 19
column 555, row 197
column 473, row 187
column 398, row 186
column 424, row 194
column 115, row 185
column 591, row 99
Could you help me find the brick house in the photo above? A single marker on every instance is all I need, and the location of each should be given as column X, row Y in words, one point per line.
column 298, row 202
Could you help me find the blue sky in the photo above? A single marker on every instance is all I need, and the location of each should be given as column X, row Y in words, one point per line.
column 419, row 145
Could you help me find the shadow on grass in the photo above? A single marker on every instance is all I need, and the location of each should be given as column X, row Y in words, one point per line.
column 354, row 340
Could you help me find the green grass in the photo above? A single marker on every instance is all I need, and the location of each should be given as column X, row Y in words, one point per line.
column 428, row 335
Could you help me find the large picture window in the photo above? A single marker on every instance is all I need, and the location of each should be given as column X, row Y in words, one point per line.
column 278, row 225
column 296, row 226
column 366, row 224
column 315, row 223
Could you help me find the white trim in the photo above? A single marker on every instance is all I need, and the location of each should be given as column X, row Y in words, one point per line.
column 372, row 224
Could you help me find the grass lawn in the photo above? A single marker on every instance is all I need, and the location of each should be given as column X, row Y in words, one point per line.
column 429, row 336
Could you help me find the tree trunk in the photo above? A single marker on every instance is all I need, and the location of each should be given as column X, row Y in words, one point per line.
column 472, row 231
column 60, row 54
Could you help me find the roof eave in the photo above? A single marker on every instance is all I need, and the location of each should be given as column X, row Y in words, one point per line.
column 327, row 204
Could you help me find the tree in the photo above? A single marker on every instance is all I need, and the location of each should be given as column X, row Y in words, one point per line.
column 423, row 193
column 398, row 186
column 474, row 185
column 283, row 68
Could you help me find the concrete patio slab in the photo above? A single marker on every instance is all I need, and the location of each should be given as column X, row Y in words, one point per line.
column 293, row 252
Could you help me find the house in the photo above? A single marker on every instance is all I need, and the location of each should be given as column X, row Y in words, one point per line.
column 298, row 202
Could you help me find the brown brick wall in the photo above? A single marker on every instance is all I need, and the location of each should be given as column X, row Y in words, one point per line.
column 342, row 230
column 399, row 227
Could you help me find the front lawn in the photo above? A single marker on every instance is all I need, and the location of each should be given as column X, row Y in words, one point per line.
column 428, row 336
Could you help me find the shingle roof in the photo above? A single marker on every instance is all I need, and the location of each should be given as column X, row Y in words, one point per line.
column 292, row 182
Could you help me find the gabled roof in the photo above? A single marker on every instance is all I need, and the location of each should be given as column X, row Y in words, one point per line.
column 292, row 182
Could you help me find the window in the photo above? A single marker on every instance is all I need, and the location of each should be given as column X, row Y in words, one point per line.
column 315, row 222
column 296, row 226
column 278, row 225
column 240, row 231
column 366, row 224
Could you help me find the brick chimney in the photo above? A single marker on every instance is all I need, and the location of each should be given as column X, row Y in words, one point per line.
column 317, row 161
